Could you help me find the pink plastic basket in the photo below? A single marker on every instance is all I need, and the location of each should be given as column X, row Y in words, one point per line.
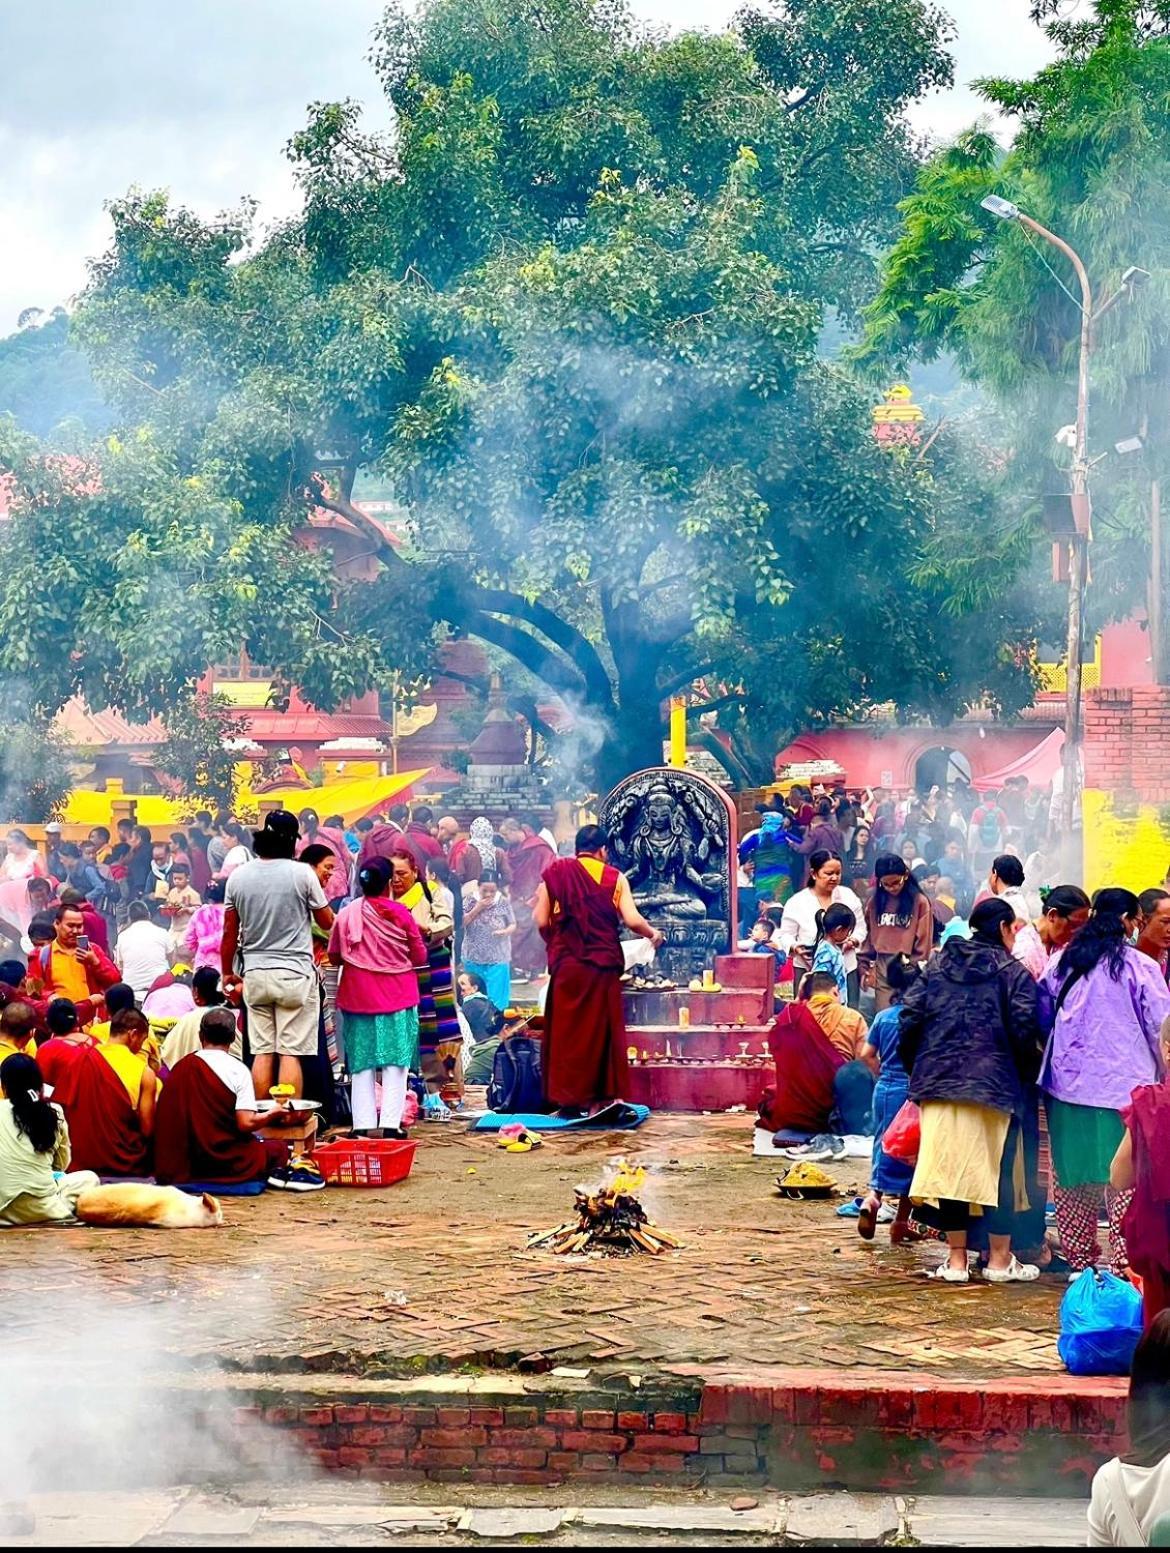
column 365, row 1161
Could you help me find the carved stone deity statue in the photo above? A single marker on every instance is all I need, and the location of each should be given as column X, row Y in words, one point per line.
column 672, row 833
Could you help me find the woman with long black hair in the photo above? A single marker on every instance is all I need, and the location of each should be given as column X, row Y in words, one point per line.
column 898, row 920
column 1103, row 1002
column 970, row 1041
column 34, row 1143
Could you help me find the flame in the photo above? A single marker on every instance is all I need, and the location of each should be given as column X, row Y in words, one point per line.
column 627, row 1179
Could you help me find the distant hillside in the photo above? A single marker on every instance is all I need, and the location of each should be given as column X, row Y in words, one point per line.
column 45, row 383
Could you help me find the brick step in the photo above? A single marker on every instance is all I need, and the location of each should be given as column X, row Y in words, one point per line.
column 790, row 1429
column 699, row 1086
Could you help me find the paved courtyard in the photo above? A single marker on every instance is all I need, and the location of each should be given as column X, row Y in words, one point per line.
column 434, row 1274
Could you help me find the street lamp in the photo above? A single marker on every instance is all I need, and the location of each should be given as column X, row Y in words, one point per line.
column 1079, row 541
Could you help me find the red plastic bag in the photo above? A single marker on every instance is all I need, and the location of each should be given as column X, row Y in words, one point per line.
column 903, row 1137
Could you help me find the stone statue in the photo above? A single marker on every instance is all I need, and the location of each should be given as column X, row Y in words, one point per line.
column 672, row 833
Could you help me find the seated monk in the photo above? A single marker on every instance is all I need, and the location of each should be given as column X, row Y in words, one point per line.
column 18, row 1025
column 207, row 1113
column 821, row 1084
column 109, row 1129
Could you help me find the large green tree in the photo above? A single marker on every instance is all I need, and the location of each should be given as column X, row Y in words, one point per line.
column 1091, row 161
column 569, row 306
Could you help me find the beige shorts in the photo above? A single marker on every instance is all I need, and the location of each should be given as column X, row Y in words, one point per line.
column 282, row 1013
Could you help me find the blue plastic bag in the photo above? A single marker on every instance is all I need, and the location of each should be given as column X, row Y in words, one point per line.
column 1100, row 1323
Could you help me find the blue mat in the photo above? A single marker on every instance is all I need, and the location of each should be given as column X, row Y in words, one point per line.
column 222, row 1188
column 618, row 1115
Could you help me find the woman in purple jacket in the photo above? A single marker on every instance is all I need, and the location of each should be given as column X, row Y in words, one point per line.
column 1104, row 1002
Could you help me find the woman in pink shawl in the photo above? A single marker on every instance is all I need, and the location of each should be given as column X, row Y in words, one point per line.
column 377, row 944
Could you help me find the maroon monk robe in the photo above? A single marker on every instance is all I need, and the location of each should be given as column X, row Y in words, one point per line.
column 806, row 1064
column 104, row 1134
column 196, row 1137
column 528, row 861
column 584, row 1055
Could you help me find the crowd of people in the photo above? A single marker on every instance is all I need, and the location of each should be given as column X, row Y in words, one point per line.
column 946, row 841
column 353, row 968
column 1007, row 1025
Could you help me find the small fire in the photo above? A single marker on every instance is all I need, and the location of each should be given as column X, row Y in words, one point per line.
column 609, row 1218
column 627, row 1179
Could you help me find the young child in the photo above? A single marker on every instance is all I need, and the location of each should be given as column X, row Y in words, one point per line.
column 182, row 902
column 759, row 940
column 888, row 1176
column 835, row 926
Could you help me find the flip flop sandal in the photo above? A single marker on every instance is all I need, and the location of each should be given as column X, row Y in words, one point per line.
column 867, row 1220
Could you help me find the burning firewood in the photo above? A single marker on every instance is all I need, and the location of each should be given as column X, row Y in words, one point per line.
column 609, row 1218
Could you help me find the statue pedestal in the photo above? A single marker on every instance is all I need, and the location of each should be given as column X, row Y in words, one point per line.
column 700, row 1086
column 708, row 1068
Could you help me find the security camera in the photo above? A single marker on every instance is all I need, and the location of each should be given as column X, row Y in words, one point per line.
column 1067, row 436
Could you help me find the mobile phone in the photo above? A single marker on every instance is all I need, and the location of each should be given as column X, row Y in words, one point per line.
column 82, row 943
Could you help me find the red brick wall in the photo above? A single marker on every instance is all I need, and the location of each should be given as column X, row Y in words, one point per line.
column 1041, row 1435
column 1127, row 741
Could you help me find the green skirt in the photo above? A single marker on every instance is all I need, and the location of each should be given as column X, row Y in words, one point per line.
column 381, row 1040
column 1084, row 1141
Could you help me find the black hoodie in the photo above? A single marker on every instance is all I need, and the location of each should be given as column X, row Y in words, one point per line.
column 969, row 1028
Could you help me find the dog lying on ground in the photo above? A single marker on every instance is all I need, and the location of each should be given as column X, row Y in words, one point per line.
column 132, row 1205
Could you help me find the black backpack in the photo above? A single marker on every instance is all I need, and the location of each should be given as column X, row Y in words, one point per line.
column 516, row 1088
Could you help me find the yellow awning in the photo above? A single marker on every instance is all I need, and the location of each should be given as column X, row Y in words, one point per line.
column 351, row 799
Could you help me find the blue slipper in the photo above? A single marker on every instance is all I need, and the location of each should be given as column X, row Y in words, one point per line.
column 850, row 1210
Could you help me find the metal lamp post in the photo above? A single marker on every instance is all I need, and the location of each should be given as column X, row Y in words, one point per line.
column 1079, row 542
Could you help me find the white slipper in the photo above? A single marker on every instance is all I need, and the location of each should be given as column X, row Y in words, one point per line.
column 1014, row 1272
column 945, row 1273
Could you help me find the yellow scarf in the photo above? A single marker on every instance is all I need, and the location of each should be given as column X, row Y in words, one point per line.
column 412, row 897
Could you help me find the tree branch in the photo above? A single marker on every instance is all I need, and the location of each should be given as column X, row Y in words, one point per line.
column 682, row 679
column 502, row 601
column 810, row 94
column 537, row 658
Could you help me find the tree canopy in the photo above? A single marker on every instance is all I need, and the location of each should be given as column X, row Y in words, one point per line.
column 568, row 304
column 1090, row 161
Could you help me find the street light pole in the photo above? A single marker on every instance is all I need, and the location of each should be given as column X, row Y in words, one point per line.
column 1079, row 543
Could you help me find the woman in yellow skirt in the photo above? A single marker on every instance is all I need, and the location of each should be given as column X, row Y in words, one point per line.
column 970, row 1040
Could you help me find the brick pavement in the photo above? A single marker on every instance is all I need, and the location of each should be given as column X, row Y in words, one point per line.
column 295, row 1283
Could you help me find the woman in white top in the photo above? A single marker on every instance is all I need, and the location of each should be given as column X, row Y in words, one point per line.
column 797, row 933
column 22, row 860
column 1132, row 1492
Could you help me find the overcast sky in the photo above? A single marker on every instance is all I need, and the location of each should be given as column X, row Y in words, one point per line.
column 201, row 95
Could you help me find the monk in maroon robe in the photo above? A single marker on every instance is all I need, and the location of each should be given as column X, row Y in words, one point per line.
column 807, row 1062
column 581, row 905
column 104, row 1128
column 528, row 855
column 207, row 1114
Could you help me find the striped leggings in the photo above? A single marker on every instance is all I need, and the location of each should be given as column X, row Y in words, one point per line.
column 1077, row 1211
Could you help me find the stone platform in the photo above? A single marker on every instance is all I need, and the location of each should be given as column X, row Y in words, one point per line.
column 411, row 1330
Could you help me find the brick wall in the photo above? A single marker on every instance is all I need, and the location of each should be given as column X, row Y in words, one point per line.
column 1127, row 741
column 802, row 1430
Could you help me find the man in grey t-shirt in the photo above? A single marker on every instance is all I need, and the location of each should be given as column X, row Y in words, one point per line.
column 269, row 903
